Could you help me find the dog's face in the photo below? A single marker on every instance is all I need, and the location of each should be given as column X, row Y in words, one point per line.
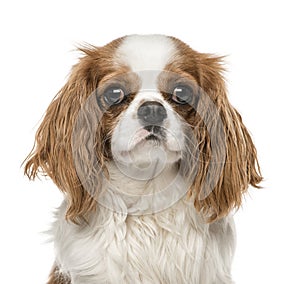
column 146, row 104
column 144, row 118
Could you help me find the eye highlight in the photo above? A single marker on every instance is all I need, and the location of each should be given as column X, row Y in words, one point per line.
column 182, row 94
column 113, row 95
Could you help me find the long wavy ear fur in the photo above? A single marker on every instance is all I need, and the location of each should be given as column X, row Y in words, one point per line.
column 52, row 153
column 240, row 167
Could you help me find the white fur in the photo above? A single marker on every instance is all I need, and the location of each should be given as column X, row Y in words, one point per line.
column 173, row 246
column 146, row 52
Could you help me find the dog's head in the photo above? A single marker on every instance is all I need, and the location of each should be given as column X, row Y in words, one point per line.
column 139, row 108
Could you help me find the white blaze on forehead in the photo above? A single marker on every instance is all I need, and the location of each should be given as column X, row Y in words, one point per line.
column 146, row 52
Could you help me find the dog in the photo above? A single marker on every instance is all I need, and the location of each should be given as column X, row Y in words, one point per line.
column 152, row 160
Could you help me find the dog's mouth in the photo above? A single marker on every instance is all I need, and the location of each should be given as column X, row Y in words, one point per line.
column 146, row 136
column 152, row 137
column 156, row 133
column 149, row 144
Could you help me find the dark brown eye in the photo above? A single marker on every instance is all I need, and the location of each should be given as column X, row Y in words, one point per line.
column 113, row 95
column 182, row 94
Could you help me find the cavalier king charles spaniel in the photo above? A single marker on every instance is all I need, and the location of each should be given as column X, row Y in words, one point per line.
column 151, row 158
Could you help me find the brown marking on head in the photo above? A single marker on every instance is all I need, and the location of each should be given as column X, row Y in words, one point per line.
column 241, row 166
column 52, row 153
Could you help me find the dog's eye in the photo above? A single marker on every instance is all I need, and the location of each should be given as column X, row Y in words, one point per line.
column 113, row 95
column 182, row 94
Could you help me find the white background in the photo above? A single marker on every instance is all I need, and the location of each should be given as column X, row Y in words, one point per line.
column 261, row 39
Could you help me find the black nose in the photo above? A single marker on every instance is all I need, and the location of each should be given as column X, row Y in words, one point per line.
column 152, row 112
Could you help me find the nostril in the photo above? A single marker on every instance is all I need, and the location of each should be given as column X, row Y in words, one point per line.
column 144, row 110
column 152, row 112
column 161, row 111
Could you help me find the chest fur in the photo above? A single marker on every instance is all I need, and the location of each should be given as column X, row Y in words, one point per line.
column 173, row 246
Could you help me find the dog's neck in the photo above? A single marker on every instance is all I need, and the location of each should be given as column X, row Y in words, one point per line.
column 140, row 181
column 127, row 192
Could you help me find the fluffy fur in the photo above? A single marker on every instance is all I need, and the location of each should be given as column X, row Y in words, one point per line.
column 190, row 241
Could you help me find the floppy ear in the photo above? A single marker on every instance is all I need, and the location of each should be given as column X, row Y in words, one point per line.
column 52, row 154
column 225, row 172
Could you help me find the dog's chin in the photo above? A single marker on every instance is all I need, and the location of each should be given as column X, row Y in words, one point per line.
column 147, row 154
